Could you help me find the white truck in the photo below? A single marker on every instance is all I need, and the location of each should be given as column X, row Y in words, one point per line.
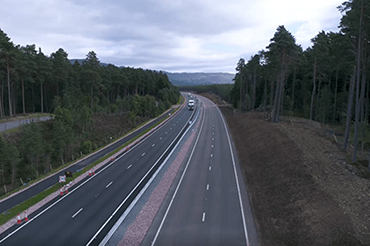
column 191, row 104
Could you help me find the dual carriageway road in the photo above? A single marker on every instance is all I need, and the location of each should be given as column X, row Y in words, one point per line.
column 209, row 206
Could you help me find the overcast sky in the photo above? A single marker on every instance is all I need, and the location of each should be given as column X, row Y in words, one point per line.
column 170, row 35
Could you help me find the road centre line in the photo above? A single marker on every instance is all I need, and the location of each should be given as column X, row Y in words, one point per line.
column 124, row 201
column 77, row 213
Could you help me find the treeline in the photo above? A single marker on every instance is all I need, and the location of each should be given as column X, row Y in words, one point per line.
column 222, row 90
column 327, row 82
column 31, row 81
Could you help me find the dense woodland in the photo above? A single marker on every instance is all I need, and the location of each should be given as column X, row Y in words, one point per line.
column 31, row 81
column 328, row 82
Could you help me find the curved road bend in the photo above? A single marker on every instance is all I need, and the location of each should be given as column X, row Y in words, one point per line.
column 207, row 208
column 76, row 218
column 50, row 181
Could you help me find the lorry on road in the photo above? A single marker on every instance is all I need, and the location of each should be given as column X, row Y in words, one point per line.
column 191, row 104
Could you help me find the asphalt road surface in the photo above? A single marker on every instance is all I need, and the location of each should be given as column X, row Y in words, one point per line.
column 210, row 205
column 86, row 214
column 50, row 181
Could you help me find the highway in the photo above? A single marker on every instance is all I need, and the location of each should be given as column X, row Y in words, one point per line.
column 53, row 179
column 210, row 205
column 86, row 214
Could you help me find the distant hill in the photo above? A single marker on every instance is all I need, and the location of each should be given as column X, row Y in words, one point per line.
column 184, row 79
column 200, row 78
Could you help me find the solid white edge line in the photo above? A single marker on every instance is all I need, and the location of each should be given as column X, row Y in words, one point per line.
column 133, row 203
column 178, row 185
column 77, row 213
column 69, row 193
column 132, row 191
column 236, row 179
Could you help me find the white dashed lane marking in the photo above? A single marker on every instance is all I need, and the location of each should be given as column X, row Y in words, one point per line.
column 143, row 154
column 109, row 184
column 153, row 145
column 204, row 216
column 207, row 186
column 129, row 166
column 77, row 213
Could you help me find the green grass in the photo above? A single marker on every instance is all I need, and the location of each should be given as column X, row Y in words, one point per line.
column 11, row 213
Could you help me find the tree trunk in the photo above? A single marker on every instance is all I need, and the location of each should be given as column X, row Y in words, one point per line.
column 271, row 92
column 313, row 89
column 318, row 97
column 281, row 95
column 14, row 98
column 23, row 101
column 278, row 95
column 357, row 115
column 349, row 109
column 240, row 92
column 276, row 102
column 293, row 87
column 254, row 90
column 265, row 100
column 1, row 100
column 335, row 95
column 9, row 87
column 42, row 97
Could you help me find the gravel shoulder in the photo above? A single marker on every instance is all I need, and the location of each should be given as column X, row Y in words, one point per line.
column 301, row 188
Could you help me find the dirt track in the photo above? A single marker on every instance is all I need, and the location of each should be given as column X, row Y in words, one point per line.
column 301, row 190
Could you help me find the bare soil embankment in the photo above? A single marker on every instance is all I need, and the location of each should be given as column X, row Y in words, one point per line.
column 301, row 188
